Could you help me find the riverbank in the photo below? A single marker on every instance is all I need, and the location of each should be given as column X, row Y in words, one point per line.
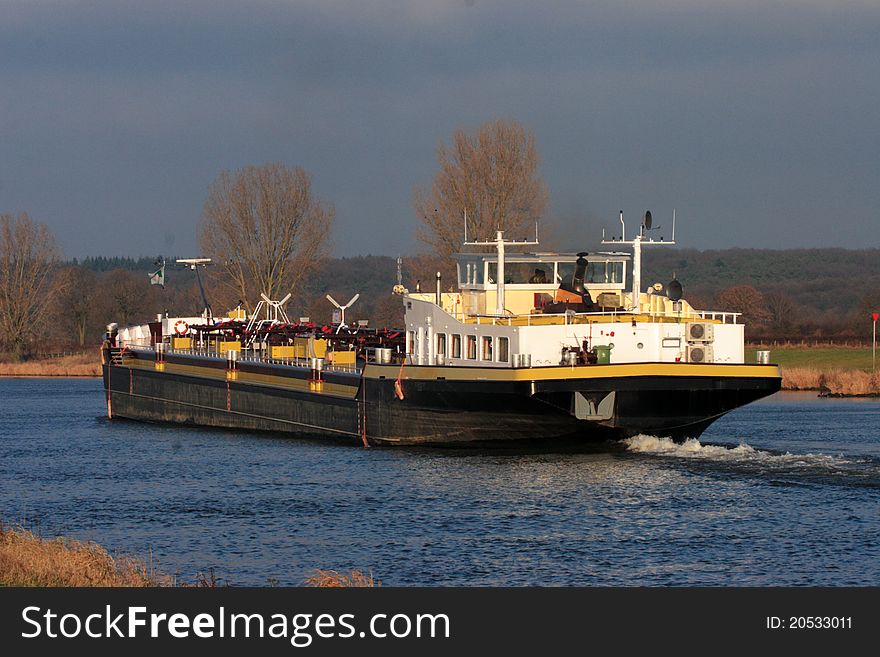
column 824, row 357
column 30, row 560
column 76, row 365
column 828, row 369
column 839, row 383
column 832, row 370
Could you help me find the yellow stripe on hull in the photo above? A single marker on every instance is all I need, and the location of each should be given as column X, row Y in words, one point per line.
column 287, row 383
column 624, row 370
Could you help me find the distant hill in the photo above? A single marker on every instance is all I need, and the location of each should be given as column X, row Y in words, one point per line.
column 835, row 280
column 830, row 290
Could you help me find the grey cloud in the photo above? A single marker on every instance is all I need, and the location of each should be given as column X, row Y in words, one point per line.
column 755, row 120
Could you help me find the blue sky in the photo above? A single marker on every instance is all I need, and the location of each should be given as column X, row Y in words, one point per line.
column 757, row 121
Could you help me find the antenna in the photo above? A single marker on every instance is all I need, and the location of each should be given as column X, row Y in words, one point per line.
column 499, row 242
column 194, row 264
column 399, row 289
column 636, row 244
column 648, row 224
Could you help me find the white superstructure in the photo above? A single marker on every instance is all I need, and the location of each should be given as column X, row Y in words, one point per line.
column 547, row 309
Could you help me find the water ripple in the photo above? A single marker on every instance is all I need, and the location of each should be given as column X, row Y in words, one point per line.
column 783, row 492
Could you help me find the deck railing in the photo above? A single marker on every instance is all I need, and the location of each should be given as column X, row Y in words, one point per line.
column 248, row 356
column 616, row 316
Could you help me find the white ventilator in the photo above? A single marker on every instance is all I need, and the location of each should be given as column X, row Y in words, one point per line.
column 343, row 308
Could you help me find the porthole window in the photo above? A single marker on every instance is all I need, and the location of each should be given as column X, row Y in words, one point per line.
column 640, row 345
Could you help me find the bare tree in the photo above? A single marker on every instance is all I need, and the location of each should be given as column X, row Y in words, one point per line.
column 388, row 312
column 744, row 299
column 493, row 175
column 781, row 310
column 422, row 269
column 76, row 295
column 126, row 298
column 28, row 254
column 266, row 228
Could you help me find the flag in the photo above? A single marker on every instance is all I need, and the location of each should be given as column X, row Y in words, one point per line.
column 158, row 277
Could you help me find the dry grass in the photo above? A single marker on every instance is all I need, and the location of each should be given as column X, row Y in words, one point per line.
column 834, row 382
column 334, row 579
column 87, row 364
column 851, row 383
column 28, row 560
column 801, row 378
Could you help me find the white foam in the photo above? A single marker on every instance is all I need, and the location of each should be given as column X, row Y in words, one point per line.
column 693, row 448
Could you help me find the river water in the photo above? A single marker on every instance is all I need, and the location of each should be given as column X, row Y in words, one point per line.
column 783, row 492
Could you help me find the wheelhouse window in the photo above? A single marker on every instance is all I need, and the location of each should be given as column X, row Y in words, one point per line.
column 472, row 347
column 410, row 342
column 470, row 270
column 606, row 272
column 522, row 273
column 503, row 350
column 456, row 346
column 487, row 348
column 441, row 344
column 598, row 272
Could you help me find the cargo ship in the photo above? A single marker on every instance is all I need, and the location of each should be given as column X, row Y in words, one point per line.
column 531, row 346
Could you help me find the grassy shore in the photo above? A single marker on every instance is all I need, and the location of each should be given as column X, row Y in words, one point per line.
column 87, row 364
column 844, row 371
column 842, row 383
column 824, row 358
column 29, row 560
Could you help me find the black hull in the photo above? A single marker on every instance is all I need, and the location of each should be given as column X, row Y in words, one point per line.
column 364, row 407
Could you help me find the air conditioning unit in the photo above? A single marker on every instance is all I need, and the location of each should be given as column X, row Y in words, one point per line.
column 700, row 353
column 700, row 332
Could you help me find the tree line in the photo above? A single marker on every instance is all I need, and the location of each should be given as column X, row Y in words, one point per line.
column 788, row 294
column 268, row 233
column 87, row 297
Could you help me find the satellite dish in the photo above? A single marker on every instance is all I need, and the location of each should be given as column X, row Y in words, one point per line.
column 674, row 290
column 647, row 220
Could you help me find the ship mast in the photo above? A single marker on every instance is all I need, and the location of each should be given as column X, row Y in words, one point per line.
column 499, row 242
column 636, row 244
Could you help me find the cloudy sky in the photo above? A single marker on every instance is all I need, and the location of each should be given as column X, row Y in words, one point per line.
column 759, row 121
